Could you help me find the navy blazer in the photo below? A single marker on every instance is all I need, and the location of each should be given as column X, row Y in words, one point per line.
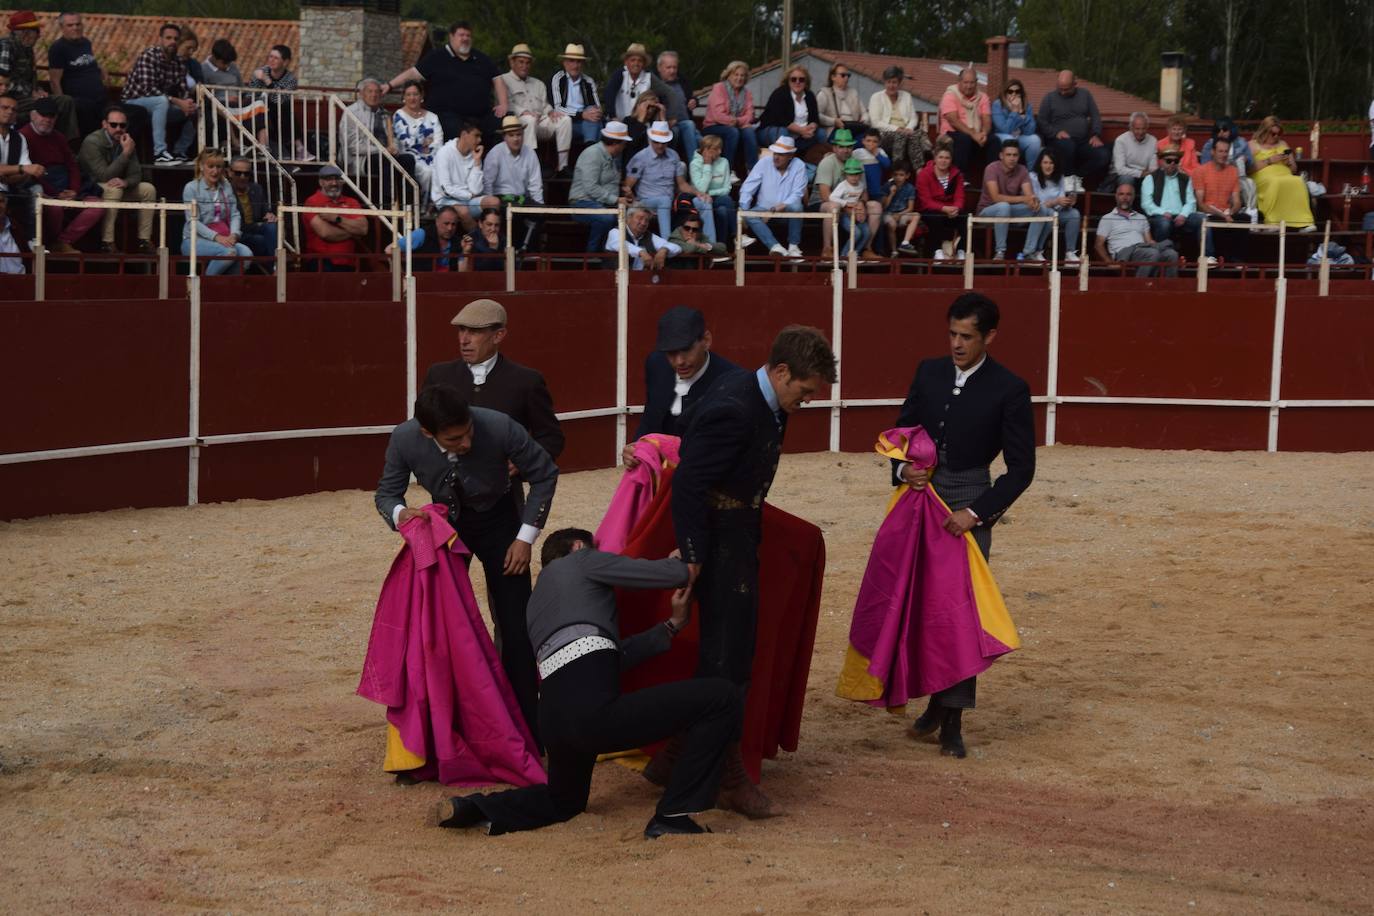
column 660, row 390
column 729, row 456
column 992, row 414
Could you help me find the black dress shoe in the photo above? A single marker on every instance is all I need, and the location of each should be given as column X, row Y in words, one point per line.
column 458, row 812
column 661, row 824
column 951, row 739
column 927, row 721
column 407, row 779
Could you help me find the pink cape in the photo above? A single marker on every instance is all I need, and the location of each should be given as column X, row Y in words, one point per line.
column 431, row 663
column 636, row 490
column 928, row 614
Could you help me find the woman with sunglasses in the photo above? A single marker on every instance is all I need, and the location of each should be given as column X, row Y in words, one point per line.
column 215, row 230
column 1013, row 119
column 792, row 109
column 838, row 105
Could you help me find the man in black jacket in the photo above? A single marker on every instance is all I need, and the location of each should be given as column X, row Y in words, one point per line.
column 574, row 623
column 488, row 379
column 972, row 407
column 677, row 375
column 729, row 456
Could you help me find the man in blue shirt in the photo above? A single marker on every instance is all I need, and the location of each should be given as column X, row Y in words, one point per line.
column 777, row 184
column 655, row 175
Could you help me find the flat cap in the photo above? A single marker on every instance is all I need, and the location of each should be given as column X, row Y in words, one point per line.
column 331, row 171
column 46, row 106
column 679, row 328
column 481, row 313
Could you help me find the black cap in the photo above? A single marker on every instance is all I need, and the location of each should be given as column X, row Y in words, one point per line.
column 46, row 107
column 680, row 327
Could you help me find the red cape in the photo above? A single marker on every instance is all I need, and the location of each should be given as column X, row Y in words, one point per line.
column 791, row 567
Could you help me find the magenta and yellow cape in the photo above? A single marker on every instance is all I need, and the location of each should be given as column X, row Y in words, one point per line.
column 929, row 614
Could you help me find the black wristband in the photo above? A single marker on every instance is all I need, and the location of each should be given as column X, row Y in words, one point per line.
column 671, row 629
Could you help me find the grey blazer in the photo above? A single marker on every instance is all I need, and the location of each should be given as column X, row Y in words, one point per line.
column 482, row 472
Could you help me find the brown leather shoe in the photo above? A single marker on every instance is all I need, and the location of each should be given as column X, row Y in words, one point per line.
column 61, row 247
column 738, row 792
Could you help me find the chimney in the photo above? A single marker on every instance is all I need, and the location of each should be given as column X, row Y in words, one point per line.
column 343, row 41
column 1171, row 80
column 997, row 64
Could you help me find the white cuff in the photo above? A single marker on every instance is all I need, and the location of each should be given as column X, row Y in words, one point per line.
column 528, row 533
column 396, row 515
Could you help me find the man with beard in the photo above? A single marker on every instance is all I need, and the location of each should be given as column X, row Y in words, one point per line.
column 332, row 233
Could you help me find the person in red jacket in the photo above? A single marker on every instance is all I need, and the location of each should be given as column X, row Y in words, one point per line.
column 61, row 179
column 939, row 201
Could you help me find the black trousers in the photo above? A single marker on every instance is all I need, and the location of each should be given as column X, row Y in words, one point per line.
column 728, row 596
column 969, row 156
column 964, row 695
column 583, row 713
column 489, row 535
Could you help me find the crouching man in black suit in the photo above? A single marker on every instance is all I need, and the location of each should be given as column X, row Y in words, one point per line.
column 574, row 622
column 972, row 407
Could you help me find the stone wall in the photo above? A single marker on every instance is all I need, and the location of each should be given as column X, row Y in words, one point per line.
column 339, row 46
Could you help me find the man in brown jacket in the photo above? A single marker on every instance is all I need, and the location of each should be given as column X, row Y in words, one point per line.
column 109, row 158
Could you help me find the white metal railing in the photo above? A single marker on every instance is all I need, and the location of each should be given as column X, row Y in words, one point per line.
column 1203, row 266
column 398, row 221
column 369, row 167
column 222, row 128
column 834, row 220
column 40, row 253
column 1052, row 219
column 294, row 124
column 515, row 210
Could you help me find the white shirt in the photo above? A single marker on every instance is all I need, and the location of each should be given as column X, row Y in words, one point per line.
column 8, row 245
column 629, row 91
column 633, row 250
column 961, row 376
column 846, row 193
column 799, row 113
column 5, row 142
column 527, row 533
column 479, row 370
column 457, row 177
column 684, row 385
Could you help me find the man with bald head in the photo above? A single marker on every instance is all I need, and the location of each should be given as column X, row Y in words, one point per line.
column 1071, row 125
column 966, row 116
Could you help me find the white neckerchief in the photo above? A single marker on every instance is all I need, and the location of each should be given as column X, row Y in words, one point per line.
column 961, row 376
column 451, row 456
column 684, row 385
column 479, row 370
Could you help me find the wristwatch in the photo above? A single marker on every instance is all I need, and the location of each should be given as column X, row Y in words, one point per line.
column 673, row 629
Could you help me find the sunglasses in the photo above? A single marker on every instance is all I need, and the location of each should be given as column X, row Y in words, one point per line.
column 843, row 76
column 690, row 227
column 1013, row 92
column 239, row 173
column 117, row 125
column 797, row 79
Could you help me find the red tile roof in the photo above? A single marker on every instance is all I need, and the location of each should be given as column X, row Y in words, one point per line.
column 925, row 79
column 117, row 40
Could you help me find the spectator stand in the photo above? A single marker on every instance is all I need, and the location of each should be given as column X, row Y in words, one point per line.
column 40, row 253
column 399, row 222
column 375, row 175
column 222, row 128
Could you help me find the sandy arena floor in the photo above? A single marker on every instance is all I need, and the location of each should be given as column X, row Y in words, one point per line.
column 1186, row 730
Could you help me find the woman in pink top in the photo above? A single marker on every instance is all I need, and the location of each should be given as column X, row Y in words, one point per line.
column 730, row 115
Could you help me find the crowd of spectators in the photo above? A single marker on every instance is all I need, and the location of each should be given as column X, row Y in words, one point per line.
column 477, row 139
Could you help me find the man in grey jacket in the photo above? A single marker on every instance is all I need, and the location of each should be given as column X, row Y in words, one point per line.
column 573, row 620
column 462, row 455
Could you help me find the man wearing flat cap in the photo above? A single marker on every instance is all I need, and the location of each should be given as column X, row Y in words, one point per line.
column 677, row 375
column 21, row 73
column 574, row 94
column 630, row 81
column 488, row 379
column 529, row 101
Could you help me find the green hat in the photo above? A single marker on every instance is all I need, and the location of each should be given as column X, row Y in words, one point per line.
column 842, row 137
column 853, row 167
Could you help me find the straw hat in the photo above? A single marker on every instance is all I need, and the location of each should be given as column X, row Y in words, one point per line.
column 660, row 132
column 521, row 50
column 511, row 123
column 636, row 50
column 616, row 130
column 573, row 52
